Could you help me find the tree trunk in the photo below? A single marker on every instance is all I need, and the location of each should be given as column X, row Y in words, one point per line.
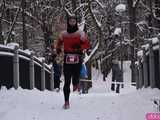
column 74, row 6
column 25, row 46
column 13, row 23
column 157, row 12
column 1, row 36
column 132, row 34
column 46, row 34
column 1, row 17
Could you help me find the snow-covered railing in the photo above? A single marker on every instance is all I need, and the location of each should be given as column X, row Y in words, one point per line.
column 19, row 68
column 148, row 65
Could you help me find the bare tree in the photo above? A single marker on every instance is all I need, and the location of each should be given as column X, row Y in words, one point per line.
column 13, row 24
column 132, row 6
column 1, row 17
column 25, row 44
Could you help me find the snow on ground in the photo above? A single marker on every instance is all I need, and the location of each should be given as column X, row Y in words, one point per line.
column 99, row 104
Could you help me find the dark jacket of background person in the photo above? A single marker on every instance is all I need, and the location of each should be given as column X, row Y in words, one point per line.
column 116, row 72
column 57, row 69
column 57, row 74
column 56, row 66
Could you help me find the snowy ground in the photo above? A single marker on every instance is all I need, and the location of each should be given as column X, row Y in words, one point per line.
column 99, row 104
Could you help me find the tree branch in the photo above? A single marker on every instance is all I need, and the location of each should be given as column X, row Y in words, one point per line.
column 13, row 23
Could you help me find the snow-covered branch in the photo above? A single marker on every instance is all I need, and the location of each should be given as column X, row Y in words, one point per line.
column 26, row 12
column 155, row 16
column 152, row 11
column 142, row 25
column 135, row 3
column 80, row 6
column 34, row 18
column 87, row 58
column 97, row 23
column 82, row 24
column 154, row 28
column 13, row 23
column 68, row 12
column 20, row 23
column 100, row 4
column 145, row 6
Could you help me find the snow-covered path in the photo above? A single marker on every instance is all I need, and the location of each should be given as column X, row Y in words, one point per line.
column 99, row 104
column 36, row 105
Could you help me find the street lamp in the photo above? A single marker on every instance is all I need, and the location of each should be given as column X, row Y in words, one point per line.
column 120, row 8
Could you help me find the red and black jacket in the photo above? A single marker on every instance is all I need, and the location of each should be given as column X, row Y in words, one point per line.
column 72, row 42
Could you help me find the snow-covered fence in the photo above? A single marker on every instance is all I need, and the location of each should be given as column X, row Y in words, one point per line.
column 19, row 68
column 149, row 64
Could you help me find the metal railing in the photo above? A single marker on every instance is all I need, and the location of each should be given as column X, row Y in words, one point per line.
column 19, row 69
column 148, row 67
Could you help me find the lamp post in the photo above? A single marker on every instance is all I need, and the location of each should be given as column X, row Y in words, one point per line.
column 120, row 8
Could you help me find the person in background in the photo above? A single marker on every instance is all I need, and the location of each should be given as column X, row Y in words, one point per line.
column 56, row 66
column 116, row 76
column 74, row 42
column 83, row 78
column 57, row 74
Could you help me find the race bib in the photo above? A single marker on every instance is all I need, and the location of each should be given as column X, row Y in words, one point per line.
column 72, row 58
